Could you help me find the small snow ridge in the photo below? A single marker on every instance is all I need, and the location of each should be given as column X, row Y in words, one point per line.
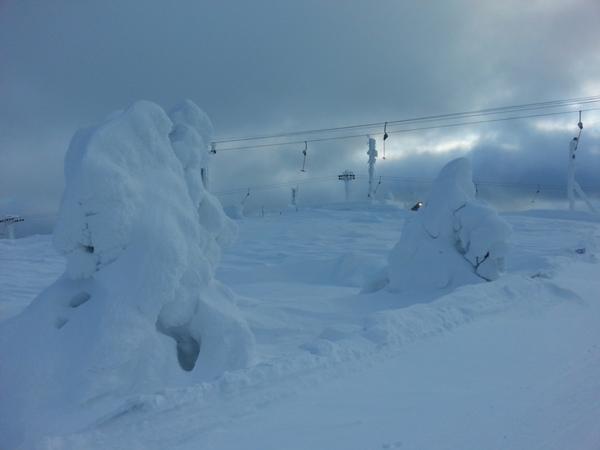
column 464, row 305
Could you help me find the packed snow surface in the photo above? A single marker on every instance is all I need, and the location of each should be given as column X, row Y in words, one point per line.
column 508, row 364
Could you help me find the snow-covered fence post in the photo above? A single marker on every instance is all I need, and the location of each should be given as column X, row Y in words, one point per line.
column 372, row 158
column 346, row 176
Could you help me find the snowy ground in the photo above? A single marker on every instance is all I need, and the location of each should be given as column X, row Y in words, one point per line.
column 512, row 364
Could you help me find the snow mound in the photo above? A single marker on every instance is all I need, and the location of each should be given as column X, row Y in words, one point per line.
column 138, row 307
column 453, row 240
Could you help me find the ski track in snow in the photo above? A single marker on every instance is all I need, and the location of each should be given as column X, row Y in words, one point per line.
column 343, row 370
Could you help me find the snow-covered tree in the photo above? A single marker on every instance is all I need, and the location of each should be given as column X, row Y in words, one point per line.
column 138, row 307
column 454, row 239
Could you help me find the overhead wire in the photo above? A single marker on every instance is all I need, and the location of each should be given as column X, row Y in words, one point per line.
column 502, row 184
column 261, row 187
column 399, row 126
column 458, row 115
column 409, row 180
column 403, row 130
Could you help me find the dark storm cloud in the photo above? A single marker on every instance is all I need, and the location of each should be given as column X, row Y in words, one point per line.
column 269, row 66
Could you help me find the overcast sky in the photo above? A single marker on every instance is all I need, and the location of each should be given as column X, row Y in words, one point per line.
column 270, row 66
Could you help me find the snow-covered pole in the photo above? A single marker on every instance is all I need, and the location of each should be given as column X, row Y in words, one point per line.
column 372, row 158
column 346, row 177
column 573, row 186
column 205, row 171
column 571, row 174
column 243, row 202
column 294, row 195
column 347, row 190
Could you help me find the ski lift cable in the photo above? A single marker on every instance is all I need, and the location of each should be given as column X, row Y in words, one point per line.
column 496, row 110
column 511, row 185
column 278, row 185
column 474, row 114
column 370, row 128
column 402, row 130
column 482, row 182
column 405, row 130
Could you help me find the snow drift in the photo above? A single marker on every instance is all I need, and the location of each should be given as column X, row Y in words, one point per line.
column 453, row 240
column 138, row 307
